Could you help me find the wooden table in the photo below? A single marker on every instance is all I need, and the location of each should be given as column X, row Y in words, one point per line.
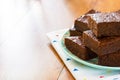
column 25, row 51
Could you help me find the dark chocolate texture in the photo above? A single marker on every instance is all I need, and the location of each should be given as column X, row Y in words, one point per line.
column 76, row 46
column 112, row 59
column 101, row 46
column 81, row 23
column 105, row 24
column 74, row 32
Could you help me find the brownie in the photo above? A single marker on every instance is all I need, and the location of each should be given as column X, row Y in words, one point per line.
column 101, row 46
column 105, row 24
column 73, row 32
column 81, row 23
column 76, row 46
column 112, row 59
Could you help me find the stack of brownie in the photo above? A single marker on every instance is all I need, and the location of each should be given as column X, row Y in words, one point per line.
column 75, row 42
column 96, row 34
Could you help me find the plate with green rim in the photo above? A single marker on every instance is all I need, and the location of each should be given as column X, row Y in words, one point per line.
column 90, row 63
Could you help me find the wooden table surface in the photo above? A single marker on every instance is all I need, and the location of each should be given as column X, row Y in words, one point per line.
column 25, row 51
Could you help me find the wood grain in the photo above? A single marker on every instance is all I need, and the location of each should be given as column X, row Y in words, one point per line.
column 65, row 75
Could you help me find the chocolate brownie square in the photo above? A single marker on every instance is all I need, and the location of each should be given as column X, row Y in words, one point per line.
column 101, row 46
column 111, row 59
column 105, row 24
column 81, row 23
column 76, row 46
column 74, row 32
